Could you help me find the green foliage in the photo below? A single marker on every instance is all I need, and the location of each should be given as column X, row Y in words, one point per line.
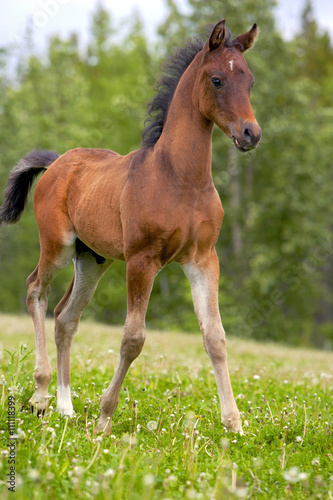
column 276, row 247
column 167, row 439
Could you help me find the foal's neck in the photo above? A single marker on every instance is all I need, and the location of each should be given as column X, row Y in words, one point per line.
column 187, row 135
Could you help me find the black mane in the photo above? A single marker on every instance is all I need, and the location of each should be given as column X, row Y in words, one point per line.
column 172, row 70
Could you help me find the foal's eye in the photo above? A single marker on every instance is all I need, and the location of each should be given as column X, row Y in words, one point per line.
column 216, row 82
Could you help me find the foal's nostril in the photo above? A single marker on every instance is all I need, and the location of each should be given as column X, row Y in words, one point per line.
column 247, row 135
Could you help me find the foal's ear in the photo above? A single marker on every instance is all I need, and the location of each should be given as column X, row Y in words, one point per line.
column 247, row 40
column 217, row 36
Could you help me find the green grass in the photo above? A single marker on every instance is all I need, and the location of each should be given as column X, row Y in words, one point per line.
column 167, row 441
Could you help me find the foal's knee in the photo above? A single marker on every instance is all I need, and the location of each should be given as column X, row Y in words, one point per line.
column 215, row 346
column 132, row 342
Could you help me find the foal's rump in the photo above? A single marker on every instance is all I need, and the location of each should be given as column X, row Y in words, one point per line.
column 77, row 196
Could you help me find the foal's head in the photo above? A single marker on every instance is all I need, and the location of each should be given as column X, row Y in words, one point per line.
column 223, row 86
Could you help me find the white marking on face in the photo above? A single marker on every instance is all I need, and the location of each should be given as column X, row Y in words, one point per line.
column 64, row 402
column 231, row 64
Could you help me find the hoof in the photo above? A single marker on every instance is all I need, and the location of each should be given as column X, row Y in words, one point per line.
column 39, row 404
column 104, row 426
column 233, row 423
column 66, row 412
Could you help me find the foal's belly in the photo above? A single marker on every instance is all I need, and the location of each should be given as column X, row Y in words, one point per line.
column 99, row 230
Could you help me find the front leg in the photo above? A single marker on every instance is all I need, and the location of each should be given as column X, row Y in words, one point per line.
column 204, row 278
column 141, row 271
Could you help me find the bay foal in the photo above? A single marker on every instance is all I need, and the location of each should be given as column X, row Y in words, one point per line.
column 150, row 207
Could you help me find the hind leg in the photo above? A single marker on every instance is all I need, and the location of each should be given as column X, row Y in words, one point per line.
column 67, row 316
column 43, row 372
column 54, row 256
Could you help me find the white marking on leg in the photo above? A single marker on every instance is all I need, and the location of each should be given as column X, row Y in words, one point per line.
column 204, row 286
column 69, row 238
column 231, row 64
column 199, row 286
column 64, row 402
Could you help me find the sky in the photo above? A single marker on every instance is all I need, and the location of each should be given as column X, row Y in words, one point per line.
column 66, row 16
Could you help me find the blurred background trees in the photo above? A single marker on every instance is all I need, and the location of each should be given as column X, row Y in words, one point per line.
column 276, row 244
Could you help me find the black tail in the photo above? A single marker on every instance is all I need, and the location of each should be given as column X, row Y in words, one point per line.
column 20, row 182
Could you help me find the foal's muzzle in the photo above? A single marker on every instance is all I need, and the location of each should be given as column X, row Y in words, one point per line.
column 247, row 136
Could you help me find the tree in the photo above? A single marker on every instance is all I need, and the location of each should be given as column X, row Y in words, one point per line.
column 276, row 245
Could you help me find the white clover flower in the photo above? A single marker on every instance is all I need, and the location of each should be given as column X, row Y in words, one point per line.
column 191, row 494
column 78, row 470
column 20, row 433
column 148, row 480
column 34, row 474
column 294, row 476
column 109, row 473
column 172, row 478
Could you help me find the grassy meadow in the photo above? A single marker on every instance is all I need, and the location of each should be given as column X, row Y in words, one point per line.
column 167, row 441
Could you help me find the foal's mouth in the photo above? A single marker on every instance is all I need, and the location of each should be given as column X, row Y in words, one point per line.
column 241, row 148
